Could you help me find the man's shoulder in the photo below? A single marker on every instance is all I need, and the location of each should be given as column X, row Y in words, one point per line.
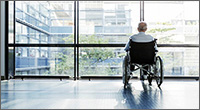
column 148, row 35
column 134, row 35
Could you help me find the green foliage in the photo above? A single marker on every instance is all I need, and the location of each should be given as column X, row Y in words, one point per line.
column 159, row 33
column 69, row 39
column 66, row 62
column 164, row 23
column 92, row 39
column 63, row 63
column 160, row 30
column 89, row 58
column 129, row 34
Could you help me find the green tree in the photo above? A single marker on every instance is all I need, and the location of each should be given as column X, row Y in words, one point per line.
column 89, row 58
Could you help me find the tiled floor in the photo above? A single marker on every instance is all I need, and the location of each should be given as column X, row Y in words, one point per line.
column 98, row 94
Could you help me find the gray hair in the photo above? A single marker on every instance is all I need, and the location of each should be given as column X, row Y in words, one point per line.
column 142, row 27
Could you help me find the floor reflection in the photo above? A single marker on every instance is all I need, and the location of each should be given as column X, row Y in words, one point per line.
column 98, row 94
column 148, row 98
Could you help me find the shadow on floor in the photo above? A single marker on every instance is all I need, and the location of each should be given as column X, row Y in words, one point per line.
column 148, row 98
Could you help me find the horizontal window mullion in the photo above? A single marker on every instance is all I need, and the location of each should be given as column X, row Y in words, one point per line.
column 178, row 45
column 41, row 45
column 101, row 45
column 95, row 45
column 123, row 45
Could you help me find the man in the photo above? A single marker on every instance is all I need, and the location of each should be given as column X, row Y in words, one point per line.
column 140, row 37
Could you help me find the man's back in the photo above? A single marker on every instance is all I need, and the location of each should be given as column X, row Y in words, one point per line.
column 140, row 37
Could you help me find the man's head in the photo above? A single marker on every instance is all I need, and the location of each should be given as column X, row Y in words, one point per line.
column 142, row 26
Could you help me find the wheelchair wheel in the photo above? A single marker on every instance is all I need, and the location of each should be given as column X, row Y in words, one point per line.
column 159, row 71
column 125, row 76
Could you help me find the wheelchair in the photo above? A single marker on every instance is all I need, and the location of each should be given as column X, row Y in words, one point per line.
column 142, row 55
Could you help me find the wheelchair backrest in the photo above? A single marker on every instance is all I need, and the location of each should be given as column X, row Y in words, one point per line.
column 142, row 52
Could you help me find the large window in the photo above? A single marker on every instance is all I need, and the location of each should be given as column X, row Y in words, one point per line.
column 44, row 22
column 87, row 38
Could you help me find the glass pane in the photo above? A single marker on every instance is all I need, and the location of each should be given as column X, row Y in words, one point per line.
column 100, row 61
column 103, row 22
column 178, row 24
column 44, row 22
column 180, row 61
column 108, row 61
column 44, row 61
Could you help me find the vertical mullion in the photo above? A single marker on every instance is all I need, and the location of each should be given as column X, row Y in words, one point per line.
column 14, row 38
column 6, row 37
column 141, row 10
column 77, row 39
column 74, row 40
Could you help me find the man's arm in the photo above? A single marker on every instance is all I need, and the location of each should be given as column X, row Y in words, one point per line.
column 156, row 48
column 127, row 46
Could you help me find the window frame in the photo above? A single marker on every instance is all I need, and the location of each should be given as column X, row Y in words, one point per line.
column 76, row 44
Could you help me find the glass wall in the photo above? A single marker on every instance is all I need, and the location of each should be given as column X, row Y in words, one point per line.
column 106, row 22
column 44, row 22
column 101, row 22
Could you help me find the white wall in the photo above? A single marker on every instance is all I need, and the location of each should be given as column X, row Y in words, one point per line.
column 2, row 40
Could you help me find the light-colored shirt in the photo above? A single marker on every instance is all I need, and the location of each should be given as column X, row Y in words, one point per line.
column 140, row 37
